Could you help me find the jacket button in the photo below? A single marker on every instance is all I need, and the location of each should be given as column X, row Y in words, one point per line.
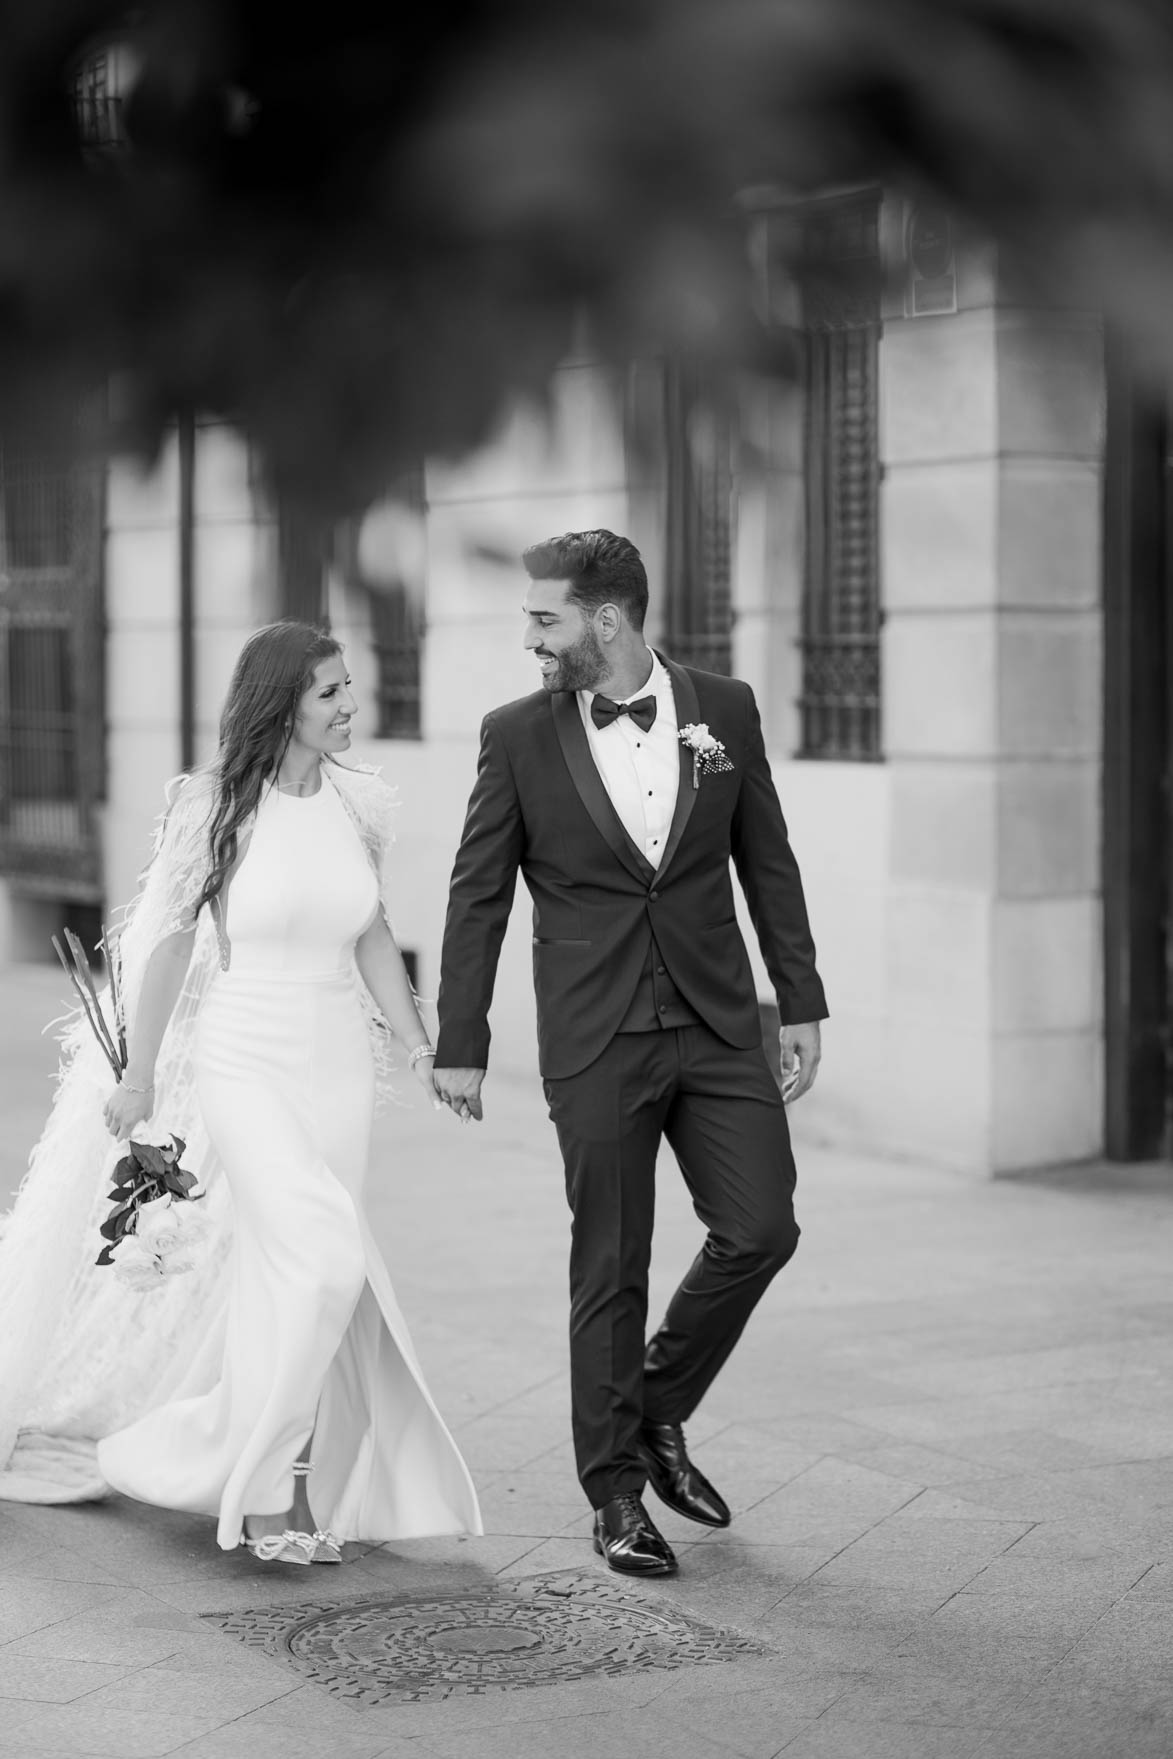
column 663, row 1007
column 660, row 970
column 653, row 895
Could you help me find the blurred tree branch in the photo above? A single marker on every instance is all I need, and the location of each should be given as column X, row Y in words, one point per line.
column 359, row 231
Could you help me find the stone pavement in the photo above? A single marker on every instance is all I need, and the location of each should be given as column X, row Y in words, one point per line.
column 947, row 1438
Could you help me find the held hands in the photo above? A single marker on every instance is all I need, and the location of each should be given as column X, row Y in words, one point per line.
column 422, row 1070
column 125, row 1110
column 460, row 1089
column 801, row 1050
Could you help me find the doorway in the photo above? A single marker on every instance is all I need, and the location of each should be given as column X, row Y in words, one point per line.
column 1138, row 760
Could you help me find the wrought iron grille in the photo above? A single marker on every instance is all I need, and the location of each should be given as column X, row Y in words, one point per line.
column 97, row 104
column 698, row 623
column 840, row 701
column 40, row 727
column 303, row 553
column 397, row 634
column 37, row 515
column 50, row 674
column 398, row 626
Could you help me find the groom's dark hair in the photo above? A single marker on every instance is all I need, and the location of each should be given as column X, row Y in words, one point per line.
column 602, row 570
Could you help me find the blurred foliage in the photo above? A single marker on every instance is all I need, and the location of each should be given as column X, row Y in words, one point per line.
column 358, row 230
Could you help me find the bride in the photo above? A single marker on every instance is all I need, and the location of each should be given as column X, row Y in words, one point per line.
column 251, row 1036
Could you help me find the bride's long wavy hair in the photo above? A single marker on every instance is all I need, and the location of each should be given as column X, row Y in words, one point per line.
column 275, row 669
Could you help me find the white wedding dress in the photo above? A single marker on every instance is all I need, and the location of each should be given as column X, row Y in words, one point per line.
column 289, row 1325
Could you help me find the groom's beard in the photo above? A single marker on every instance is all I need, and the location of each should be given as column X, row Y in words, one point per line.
column 580, row 667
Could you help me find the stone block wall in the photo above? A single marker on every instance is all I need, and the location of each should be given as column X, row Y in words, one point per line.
column 992, row 446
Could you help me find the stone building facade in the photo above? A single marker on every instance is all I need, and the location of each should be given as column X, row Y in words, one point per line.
column 904, row 555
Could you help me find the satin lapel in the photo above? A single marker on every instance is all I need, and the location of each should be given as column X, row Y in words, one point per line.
column 687, row 709
column 586, row 778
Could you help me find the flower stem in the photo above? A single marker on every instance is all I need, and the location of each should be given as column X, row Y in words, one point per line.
column 97, row 1030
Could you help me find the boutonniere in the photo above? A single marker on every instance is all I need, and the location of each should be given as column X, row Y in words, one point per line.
column 708, row 754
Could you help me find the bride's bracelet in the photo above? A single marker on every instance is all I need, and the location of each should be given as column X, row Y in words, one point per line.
column 419, row 1053
column 127, row 1088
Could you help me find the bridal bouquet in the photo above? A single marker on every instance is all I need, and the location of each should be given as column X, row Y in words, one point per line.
column 151, row 1229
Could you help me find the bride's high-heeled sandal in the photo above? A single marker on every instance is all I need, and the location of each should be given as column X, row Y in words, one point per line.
column 289, row 1547
column 324, row 1547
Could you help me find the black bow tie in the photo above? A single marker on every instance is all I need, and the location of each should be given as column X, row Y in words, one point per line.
column 604, row 711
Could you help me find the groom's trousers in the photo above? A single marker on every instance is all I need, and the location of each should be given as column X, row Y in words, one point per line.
column 722, row 1114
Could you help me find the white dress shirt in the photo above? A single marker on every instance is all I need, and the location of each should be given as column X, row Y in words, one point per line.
column 640, row 771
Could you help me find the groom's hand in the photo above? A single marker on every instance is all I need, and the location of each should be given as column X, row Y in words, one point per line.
column 460, row 1089
column 801, row 1049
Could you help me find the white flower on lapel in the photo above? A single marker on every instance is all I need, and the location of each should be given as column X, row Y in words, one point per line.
column 708, row 754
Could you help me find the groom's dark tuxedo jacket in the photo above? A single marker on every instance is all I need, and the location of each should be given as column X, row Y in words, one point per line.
column 540, row 805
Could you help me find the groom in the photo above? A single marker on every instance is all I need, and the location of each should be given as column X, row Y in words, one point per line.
column 620, row 790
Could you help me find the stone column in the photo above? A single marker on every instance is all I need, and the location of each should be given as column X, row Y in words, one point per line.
column 236, row 584
column 142, row 661
column 768, row 559
column 992, row 442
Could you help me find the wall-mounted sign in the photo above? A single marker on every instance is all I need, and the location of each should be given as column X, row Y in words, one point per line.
column 931, row 287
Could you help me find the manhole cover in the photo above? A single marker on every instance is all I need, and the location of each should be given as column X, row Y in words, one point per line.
column 484, row 1640
column 536, row 1631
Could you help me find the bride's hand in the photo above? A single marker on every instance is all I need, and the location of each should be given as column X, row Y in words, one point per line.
column 125, row 1110
column 423, row 1074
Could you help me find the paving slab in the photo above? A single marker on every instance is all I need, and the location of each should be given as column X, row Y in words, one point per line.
column 835, row 1736
column 1083, row 1719
column 789, row 1689
column 51, row 1681
column 830, row 1492
column 1156, row 1582
column 247, row 1739
column 30, row 1603
column 594, row 1737
column 178, row 1692
column 753, row 1723
column 108, row 1734
column 955, row 1696
column 119, row 1631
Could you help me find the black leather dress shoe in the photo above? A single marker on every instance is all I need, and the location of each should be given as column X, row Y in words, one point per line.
column 627, row 1537
column 674, row 1478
